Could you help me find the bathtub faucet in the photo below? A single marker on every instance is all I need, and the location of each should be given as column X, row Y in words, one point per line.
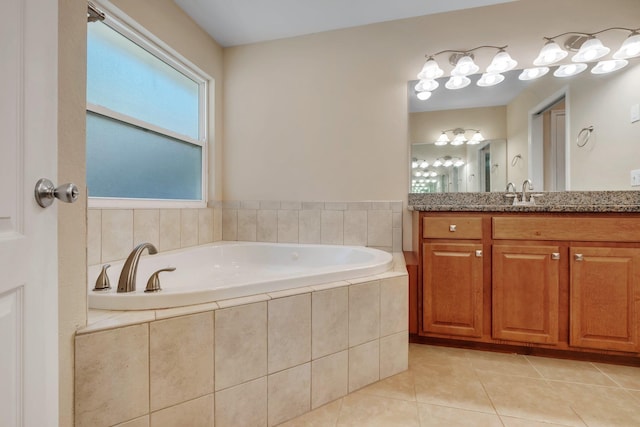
column 127, row 281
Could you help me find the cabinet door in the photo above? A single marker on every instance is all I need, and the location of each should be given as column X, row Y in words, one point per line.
column 452, row 289
column 525, row 293
column 604, row 298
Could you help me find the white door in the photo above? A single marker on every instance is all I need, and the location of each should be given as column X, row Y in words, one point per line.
column 28, row 233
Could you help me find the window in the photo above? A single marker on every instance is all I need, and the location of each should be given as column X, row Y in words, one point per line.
column 146, row 121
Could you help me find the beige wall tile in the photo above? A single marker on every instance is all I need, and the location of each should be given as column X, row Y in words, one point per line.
column 250, row 204
column 267, row 230
column 94, row 236
column 394, row 305
column 396, row 221
column 329, row 378
column 355, row 227
column 205, row 226
column 229, row 224
column 288, row 226
column 117, row 233
column 332, row 227
column 289, row 332
column 217, row 224
column 138, row 422
column 336, row 206
column 241, row 344
column 364, row 365
column 312, row 206
column 188, row 227
column 364, row 312
column 330, row 324
column 194, row 413
column 394, row 354
column 170, row 225
column 112, row 376
column 247, row 225
column 272, row 205
column 146, row 227
column 309, row 226
column 397, row 240
column 289, row 394
column 181, row 359
column 242, row 405
column 290, row 205
column 379, row 229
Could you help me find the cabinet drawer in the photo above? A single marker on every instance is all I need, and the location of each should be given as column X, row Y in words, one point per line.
column 572, row 229
column 457, row 227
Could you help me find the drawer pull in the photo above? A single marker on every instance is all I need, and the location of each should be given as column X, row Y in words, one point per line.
column 452, row 228
column 478, row 253
column 555, row 255
column 579, row 257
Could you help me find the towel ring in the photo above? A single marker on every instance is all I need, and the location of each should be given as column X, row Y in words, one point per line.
column 515, row 159
column 584, row 136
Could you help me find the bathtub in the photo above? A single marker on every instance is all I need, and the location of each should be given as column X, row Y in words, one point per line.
column 226, row 270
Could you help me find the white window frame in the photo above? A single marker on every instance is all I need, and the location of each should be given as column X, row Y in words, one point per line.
column 130, row 29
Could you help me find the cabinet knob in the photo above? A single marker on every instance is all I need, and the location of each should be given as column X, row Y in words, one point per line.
column 555, row 255
column 452, row 228
column 578, row 257
column 479, row 253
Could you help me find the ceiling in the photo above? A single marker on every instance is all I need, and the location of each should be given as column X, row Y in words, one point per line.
column 236, row 22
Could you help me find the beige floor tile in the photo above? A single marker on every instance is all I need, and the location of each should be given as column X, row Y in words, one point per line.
column 600, row 406
column 194, row 413
column 569, row 370
column 625, row 376
column 372, row 411
column 324, row 416
column 528, row 398
column 454, row 386
column 421, row 355
column 519, row 422
column 502, row 363
column 438, row 416
column 400, row 386
column 635, row 394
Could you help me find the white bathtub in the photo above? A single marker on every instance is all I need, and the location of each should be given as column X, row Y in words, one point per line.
column 235, row 269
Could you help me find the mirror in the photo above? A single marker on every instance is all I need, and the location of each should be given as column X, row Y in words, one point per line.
column 574, row 133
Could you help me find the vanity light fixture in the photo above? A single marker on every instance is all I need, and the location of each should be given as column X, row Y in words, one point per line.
column 533, row 73
column 550, row 53
column 457, row 82
column 630, row 48
column 591, row 50
column 569, row 70
column 459, row 137
column 423, row 96
column 426, row 85
column 604, row 67
column 489, row 79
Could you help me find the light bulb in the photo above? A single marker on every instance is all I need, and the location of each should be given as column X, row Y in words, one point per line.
column 430, row 70
column 630, row 48
column 477, row 138
column 414, row 164
column 426, row 86
column 458, row 163
column 590, row 50
column 465, row 66
column 457, row 82
column 459, row 139
column 424, row 164
column 490, row 80
column 533, row 73
column 501, row 62
column 437, row 163
column 569, row 70
column 447, row 163
column 443, row 139
column 550, row 53
column 423, row 96
column 604, row 67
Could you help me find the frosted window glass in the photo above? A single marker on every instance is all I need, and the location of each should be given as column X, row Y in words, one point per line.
column 125, row 78
column 125, row 161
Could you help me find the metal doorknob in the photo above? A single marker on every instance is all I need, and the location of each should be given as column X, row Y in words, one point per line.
column 45, row 192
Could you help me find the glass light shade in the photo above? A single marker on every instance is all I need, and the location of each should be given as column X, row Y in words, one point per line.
column 604, row 67
column 458, row 163
column 477, row 138
column 459, row 139
column 437, row 163
column 423, row 96
column 426, row 86
column 569, row 70
column 550, row 53
column 430, row 70
column 590, row 50
column 464, row 67
column 447, row 163
column 424, row 164
column 414, row 163
column 630, row 48
column 490, row 80
column 533, row 73
column 443, row 139
column 418, row 173
column 501, row 62
column 457, row 82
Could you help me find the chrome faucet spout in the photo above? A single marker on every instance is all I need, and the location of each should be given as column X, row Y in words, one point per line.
column 511, row 187
column 127, row 281
column 526, row 183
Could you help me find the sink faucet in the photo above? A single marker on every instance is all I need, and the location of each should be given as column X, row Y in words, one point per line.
column 511, row 186
column 524, row 189
column 127, row 281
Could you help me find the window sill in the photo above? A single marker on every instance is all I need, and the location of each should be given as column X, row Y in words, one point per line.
column 111, row 203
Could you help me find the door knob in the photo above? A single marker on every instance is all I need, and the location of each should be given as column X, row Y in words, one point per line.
column 45, row 192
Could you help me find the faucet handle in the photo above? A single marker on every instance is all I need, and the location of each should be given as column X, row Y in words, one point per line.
column 153, row 284
column 102, row 283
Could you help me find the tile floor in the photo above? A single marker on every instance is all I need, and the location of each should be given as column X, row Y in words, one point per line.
column 455, row 387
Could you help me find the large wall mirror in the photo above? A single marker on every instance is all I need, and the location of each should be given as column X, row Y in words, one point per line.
column 573, row 133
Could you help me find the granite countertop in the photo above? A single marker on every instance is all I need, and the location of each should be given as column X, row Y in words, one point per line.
column 562, row 201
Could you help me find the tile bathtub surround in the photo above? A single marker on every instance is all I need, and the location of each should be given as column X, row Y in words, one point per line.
column 113, row 233
column 369, row 223
column 249, row 363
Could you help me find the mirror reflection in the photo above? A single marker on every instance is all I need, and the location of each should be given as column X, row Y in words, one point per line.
column 575, row 133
